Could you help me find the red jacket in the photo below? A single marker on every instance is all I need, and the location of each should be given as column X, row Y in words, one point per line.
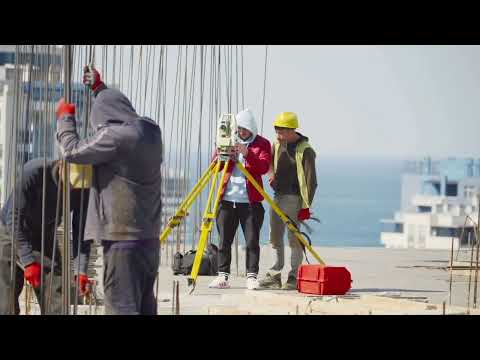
column 257, row 163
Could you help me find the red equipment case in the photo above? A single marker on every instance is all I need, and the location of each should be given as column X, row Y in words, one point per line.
column 323, row 280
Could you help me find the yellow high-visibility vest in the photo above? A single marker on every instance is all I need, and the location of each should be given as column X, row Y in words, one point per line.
column 81, row 176
column 302, row 182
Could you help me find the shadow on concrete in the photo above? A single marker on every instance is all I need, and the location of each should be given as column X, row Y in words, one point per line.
column 216, row 291
column 367, row 290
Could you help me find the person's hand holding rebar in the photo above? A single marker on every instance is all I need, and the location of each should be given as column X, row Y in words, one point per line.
column 64, row 108
column 85, row 284
column 91, row 77
column 32, row 274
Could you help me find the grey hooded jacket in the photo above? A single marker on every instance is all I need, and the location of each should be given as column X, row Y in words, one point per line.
column 126, row 154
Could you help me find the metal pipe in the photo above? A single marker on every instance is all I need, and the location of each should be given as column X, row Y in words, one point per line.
column 478, row 250
column 21, row 158
column 86, row 107
column 236, row 252
column 173, row 298
column 13, row 267
column 66, row 193
column 44, row 188
column 451, row 274
column 95, row 297
column 156, row 285
column 55, row 240
column 470, row 274
column 177, row 298
column 28, row 296
column 89, row 305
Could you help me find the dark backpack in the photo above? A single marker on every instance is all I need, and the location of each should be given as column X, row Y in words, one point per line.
column 182, row 264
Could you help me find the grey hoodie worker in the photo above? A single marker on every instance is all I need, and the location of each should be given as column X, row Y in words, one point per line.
column 241, row 202
column 294, row 179
column 125, row 200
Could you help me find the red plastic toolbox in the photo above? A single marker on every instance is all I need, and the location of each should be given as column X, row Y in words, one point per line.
column 323, row 280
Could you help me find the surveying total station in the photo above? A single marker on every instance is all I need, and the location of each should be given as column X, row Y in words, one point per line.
column 226, row 140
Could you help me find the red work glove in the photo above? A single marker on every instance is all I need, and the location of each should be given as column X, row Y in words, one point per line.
column 85, row 284
column 32, row 274
column 64, row 108
column 304, row 214
column 91, row 77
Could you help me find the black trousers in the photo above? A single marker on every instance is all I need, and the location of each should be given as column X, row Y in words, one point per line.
column 128, row 279
column 250, row 216
column 55, row 306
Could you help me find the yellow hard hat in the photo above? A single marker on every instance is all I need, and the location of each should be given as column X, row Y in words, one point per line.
column 286, row 120
column 81, row 176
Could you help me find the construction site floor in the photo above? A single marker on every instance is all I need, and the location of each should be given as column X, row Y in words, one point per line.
column 385, row 281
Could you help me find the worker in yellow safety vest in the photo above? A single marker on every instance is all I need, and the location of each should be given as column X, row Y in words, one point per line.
column 293, row 178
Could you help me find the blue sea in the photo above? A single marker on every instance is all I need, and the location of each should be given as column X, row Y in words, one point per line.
column 353, row 195
column 351, row 198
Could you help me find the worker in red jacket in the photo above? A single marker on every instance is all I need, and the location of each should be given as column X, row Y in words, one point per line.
column 241, row 202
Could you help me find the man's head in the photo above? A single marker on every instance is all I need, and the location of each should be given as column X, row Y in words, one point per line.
column 285, row 125
column 246, row 125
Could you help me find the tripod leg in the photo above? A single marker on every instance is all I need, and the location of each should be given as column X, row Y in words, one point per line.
column 292, row 227
column 207, row 223
column 187, row 202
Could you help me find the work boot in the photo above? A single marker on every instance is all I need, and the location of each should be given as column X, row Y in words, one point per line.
column 271, row 281
column 291, row 284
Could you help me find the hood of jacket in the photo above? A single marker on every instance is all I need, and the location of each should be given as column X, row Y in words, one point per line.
column 112, row 106
column 246, row 120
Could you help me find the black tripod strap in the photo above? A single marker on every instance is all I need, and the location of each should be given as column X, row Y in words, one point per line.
column 304, row 234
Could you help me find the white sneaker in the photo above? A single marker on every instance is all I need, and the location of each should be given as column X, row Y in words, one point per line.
column 219, row 283
column 252, row 283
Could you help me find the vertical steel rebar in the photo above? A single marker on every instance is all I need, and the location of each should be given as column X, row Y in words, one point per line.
column 478, row 250
column 66, row 194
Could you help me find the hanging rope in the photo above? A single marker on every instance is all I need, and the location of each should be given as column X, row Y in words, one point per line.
column 181, row 151
column 264, row 85
column 243, row 91
column 174, row 110
column 188, row 137
column 195, row 229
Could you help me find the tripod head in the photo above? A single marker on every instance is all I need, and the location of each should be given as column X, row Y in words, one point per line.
column 226, row 135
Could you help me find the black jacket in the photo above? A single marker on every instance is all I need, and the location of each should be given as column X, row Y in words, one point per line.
column 28, row 204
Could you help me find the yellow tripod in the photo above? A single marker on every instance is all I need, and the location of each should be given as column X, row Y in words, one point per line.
column 210, row 214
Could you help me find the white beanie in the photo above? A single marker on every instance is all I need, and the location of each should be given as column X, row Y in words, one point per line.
column 246, row 120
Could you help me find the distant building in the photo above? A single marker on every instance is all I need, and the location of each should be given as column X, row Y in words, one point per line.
column 436, row 199
column 30, row 139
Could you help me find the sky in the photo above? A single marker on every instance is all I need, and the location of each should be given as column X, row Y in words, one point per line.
column 401, row 101
column 353, row 101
